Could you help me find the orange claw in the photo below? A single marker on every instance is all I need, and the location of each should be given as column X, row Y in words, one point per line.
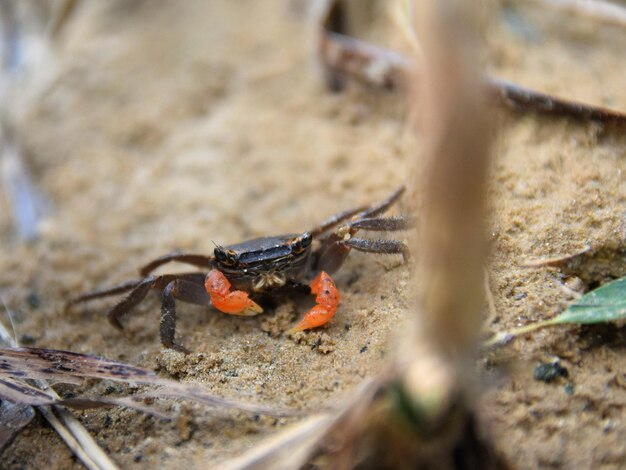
column 235, row 303
column 327, row 300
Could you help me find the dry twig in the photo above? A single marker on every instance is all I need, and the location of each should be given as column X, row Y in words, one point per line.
column 345, row 57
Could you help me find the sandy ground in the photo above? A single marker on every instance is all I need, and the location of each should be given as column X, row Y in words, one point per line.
column 176, row 125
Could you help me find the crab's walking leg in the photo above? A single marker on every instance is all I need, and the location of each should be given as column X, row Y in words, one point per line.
column 382, row 224
column 384, row 205
column 386, row 247
column 139, row 289
column 336, row 252
column 358, row 213
column 109, row 291
column 234, row 302
column 129, row 302
column 335, row 220
column 191, row 291
column 139, row 293
column 201, row 261
column 327, row 301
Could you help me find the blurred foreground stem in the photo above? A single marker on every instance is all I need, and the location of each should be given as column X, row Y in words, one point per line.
column 455, row 127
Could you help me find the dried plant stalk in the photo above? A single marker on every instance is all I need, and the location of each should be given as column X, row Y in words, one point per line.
column 438, row 350
column 423, row 416
column 455, row 128
column 435, row 362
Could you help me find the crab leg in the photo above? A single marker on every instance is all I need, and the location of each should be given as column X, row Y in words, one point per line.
column 96, row 294
column 382, row 224
column 139, row 293
column 187, row 291
column 327, row 300
column 129, row 302
column 336, row 246
column 358, row 213
column 233, row 302
column 335, row 220
column 188, row 258
column 387, row 247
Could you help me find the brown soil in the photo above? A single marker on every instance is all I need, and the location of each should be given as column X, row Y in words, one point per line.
column 173, row 125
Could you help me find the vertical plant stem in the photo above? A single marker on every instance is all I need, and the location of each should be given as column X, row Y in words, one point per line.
column 454, row 124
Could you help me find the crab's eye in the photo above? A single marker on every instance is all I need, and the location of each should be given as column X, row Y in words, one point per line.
column 306, row 239
column 301, row 243
column 227, row 258
column 219, row 255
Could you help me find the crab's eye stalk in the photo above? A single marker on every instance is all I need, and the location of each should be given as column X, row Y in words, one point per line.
column 220, row 255
column 306, row 239
column 301, row 243
column 224, row 257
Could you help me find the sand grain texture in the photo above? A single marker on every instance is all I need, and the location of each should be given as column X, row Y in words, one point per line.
column 174, row 126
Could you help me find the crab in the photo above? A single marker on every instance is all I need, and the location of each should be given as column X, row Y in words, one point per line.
column 240, row 275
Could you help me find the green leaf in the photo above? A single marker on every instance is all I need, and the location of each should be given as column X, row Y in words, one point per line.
column 605, row 304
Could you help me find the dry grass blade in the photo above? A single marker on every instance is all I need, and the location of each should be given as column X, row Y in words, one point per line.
column 172, row 389
column 18, row 364
column 287, row 449
column 13, row 417
column 22, row 393
column 126, row 402
column 6, row 339
column 294, row 447
column 554, row 261
column 592, row 265
column 78, row 440
column 65, row 366
column 526, row 99
column 73, row 433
